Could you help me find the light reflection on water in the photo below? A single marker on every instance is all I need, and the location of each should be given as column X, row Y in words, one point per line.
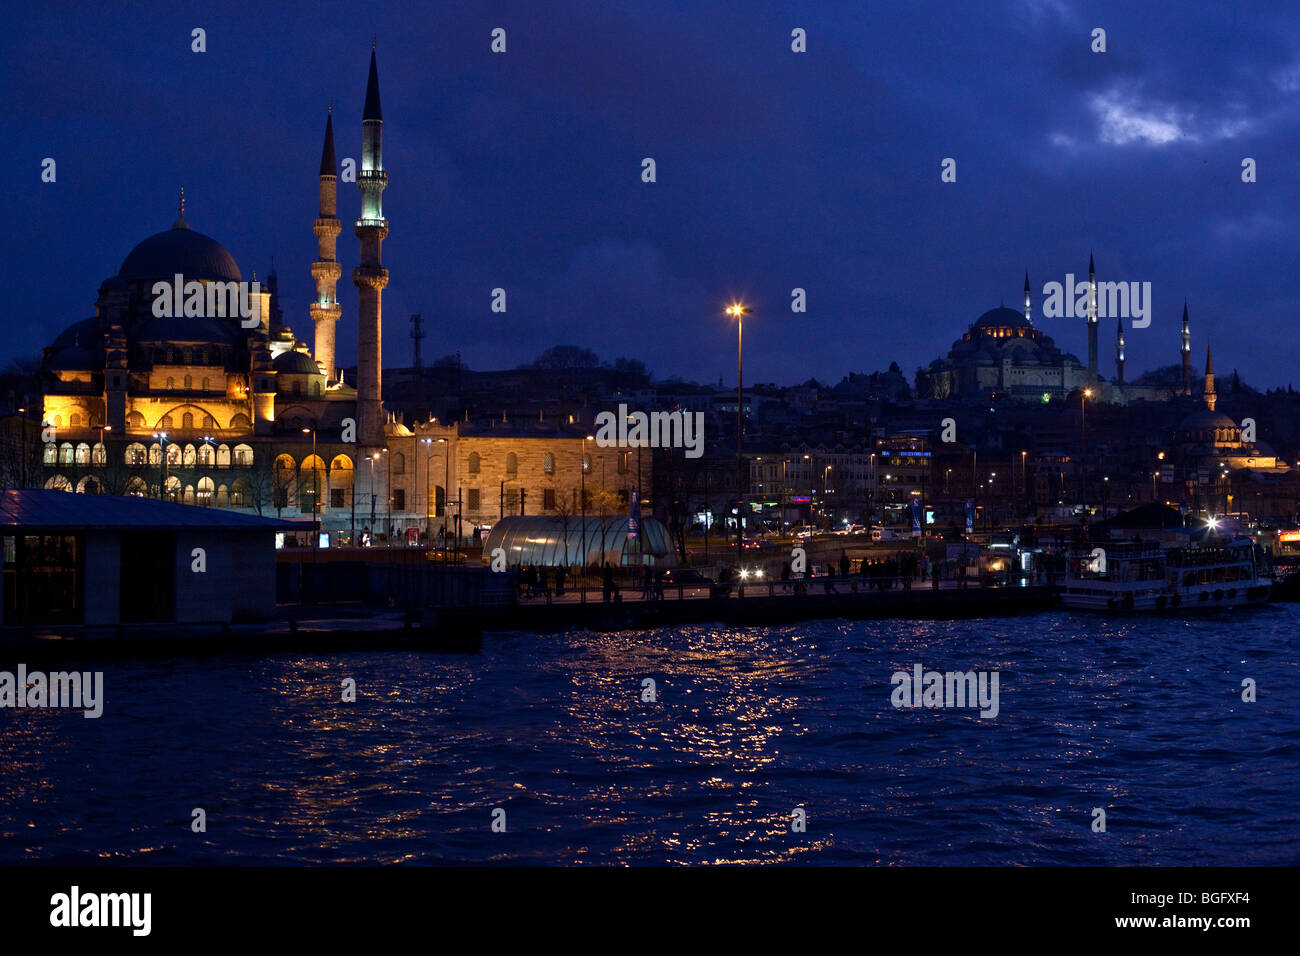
column 1142, row 717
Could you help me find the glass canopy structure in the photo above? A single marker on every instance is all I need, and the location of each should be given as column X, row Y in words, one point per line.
column 556, row 541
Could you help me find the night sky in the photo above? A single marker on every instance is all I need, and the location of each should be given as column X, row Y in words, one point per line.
column 775, row 170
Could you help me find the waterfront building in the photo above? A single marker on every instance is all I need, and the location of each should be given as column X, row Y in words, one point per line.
column 101, row 560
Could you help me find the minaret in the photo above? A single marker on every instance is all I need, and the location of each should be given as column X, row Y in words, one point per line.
column 1029, row 312
column 1210, row 397
column 326, row 270
column 370, row 276
column 1186, row 350
column 1092, row 322
column 1119, row 350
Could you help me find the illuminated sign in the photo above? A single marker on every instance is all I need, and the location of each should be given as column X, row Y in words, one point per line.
column 1288, row 536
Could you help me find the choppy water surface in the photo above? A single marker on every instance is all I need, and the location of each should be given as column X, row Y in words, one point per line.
column 1142, row 717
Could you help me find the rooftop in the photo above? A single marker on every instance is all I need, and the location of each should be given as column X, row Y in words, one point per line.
column 48, row 509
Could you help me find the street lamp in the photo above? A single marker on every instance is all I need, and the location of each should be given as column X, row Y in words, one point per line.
column 582, row 468
column 738, row 312
column 1083, row 472
column 371, row 458
column 428, row 471
column 162, row 477
column 315, row 491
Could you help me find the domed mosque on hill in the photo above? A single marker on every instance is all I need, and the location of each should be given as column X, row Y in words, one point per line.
column 1004, row 354
column 207, row 396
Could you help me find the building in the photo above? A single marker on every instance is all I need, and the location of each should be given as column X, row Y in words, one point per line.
column 104, row 561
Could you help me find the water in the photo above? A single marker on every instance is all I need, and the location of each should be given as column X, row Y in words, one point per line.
column 1142, row 717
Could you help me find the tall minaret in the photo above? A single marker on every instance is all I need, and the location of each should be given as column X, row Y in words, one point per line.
column 370, row 276
column 326, row 270
column 1186, row 351
column 1119, row 350
column 1029, row 312
column 1092, row 322
column 1210, row 396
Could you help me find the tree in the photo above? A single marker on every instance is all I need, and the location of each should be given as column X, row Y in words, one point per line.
column 566, row 357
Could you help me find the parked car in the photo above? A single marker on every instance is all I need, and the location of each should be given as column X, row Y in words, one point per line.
column 686, row 577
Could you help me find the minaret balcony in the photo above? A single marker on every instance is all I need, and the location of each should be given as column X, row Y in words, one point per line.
column 328, row 270
column 379, row 176
column 327, row 227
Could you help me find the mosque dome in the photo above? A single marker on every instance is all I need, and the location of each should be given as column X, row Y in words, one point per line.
column 296, row 363
column 74, row 358
column 180, row 250
column 1001, row 318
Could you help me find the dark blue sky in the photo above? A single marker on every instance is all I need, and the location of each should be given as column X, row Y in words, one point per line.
column 775, row 170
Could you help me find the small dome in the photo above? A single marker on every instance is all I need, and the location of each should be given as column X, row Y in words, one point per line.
column 74, row 358
column 84, row 333
column 296, row 363
column 180, row 250
column 1205, row 419
column 1001, row 317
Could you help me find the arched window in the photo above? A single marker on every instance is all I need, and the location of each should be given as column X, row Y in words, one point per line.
column 135, row 420
column 187, row 422
column 51, row 453
column 136, row 454
column 187, row 357
column 586, row 463
column 243, row 456
column 83, row 454
column 98, row 454
column 548, row 463
column 240, row 420
column 204, row 492
column 223, row 456
column 166, row 422
column 206, row 454
column 190, row 456
column 172, row 489
column 66, row 453
column 474, row 463
column 223, row 496
column 137, row 488
column 89, row 486
column 171, row 383
column 189, row 494
column 399, row 464
column 74, row 420
column 189, row 382
column 512, row 464
column 59, row 483
column 205, row 384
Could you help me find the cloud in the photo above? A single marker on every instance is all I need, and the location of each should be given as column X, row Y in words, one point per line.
column 1124, row 118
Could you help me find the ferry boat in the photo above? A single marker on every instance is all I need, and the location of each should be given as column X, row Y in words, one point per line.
column 1212, row 571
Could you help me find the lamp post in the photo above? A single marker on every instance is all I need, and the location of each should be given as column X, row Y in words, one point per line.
column 446, row 491
column 371, row 460
column 582, row 468
column 315, row 492
column 162, row 470
column 1083, row 471
column 738, row 312
column 388, row 497
column 429, row 503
